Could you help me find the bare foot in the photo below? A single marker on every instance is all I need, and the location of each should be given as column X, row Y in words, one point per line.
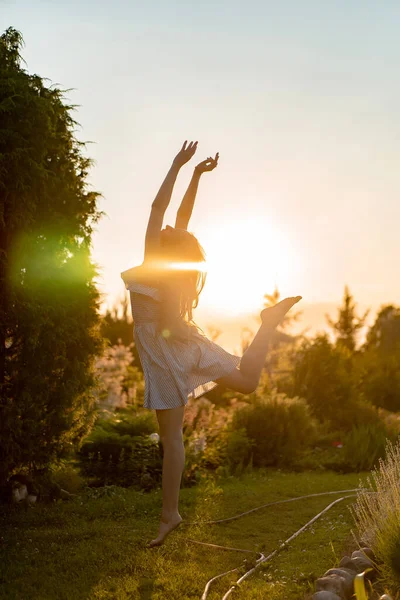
column 165, row 529
column 273, row 315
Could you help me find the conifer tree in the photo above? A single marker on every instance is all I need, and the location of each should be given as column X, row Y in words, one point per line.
column 48, row 302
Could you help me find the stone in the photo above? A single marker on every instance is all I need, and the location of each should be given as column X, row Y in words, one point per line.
column 362, row 563
column 324, row 595
column 362, row 567
column 332, row 583
column 369, row 553
column 361, row 554
column 347, row 563
column 348, row 576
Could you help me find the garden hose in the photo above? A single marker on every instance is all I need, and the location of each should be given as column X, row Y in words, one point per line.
column 262, row 559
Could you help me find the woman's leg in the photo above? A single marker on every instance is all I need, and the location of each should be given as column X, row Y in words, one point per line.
column 170, row 422
column 246, row 378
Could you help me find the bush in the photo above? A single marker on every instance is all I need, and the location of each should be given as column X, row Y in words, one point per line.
column 377, row 515
column 278, row 428
column 364, row 446
column 120, row 451
column 68, row 478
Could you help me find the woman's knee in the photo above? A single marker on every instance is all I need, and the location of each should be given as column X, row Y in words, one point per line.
column 170, row 423
column 239, row 382
column 171, row 438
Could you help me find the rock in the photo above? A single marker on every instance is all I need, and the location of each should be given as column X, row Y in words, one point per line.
column 348, row 576
column 361, row 554
column 362, row 567
column 347, row 563
column 362, row 563
column 332, row 583
column 369, row 553
column 324, row 595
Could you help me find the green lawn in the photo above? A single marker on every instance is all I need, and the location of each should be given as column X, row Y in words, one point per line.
column 94, row 548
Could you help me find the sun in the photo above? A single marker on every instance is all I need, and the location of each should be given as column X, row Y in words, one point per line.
column 245, row 260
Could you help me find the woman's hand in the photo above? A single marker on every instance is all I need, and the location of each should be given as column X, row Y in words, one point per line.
column 185, row 154
column 207, row 165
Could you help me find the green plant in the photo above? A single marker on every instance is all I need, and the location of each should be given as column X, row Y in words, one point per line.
column 49, row 321
column 68, row 478
column 364, row 446
column 278, row 428
column 120, row 450
column 377, row 514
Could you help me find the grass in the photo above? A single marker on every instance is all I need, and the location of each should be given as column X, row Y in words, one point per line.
column 94, row 548
column 378, row 515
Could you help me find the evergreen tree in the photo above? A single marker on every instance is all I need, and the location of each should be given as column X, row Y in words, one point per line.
column 384, row 335
column 348, row 324
column 379, row 362
column 49, row 303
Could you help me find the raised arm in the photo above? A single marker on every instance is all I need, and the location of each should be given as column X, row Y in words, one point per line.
column 162, row 200
column 186, row 208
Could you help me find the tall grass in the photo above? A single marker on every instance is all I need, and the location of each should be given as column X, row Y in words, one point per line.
column 377, row 514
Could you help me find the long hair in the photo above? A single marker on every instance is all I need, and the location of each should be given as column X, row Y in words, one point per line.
column 184, row 279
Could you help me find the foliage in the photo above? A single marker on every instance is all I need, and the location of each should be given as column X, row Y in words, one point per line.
column 384, row 335
column 209, row 441
column 348, row 324
column 68, row 478
column 122, row 450
column 279, row 427
column 377, row 514
column 117, row 328
column 363, row 446
column 117, row 323
column 119, row 383
column 48, row 303
column 379, row 378
column 323, row 376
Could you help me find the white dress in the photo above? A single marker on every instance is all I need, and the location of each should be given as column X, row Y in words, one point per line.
column 174, row 370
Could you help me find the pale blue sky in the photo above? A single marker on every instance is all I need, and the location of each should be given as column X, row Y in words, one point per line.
column 300, row 98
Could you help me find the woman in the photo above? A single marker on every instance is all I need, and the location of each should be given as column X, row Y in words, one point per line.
column 178, row 360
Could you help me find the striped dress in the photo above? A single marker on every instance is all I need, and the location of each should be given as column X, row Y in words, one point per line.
column 174, row 369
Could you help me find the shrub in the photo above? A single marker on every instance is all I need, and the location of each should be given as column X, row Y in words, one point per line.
column 120, row 451
column 279, row 429
column 377, row 514
column 68, row 478
column 364, row 446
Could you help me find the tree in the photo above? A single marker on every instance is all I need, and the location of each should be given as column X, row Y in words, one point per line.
column 384, row 335
column 379, row 361
column 321, row 377
column 348, row 324
column 49, row 303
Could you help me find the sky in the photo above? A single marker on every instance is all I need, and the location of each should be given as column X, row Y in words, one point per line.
column 301, row 101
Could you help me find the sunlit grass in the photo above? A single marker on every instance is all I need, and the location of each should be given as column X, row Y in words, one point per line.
column 95, row 548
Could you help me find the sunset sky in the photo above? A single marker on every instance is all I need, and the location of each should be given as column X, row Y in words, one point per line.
column 301, row 99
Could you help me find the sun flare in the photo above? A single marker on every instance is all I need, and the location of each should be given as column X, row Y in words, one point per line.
column 245, row 260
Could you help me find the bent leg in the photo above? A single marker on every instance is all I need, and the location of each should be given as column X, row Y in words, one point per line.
column 246, row 378
column 170, row 422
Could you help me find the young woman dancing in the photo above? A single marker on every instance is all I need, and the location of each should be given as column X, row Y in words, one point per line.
column 178, row 360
